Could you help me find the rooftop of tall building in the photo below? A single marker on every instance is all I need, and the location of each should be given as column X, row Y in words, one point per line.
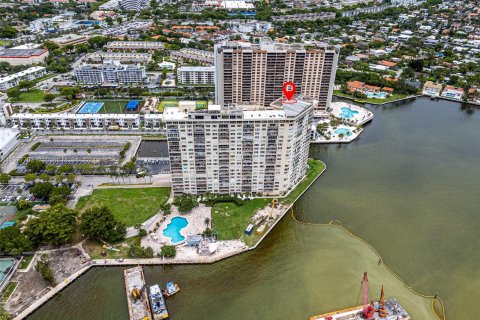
column 279, row 109
column 273, row 46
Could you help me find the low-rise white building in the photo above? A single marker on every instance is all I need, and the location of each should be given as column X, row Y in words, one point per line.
column 196, row 76
column 9, row 138
column 134, row 45
column 111, row 72
column 123, row 57
column 5, row 112
column 28, row 74
column 76, row 121
column 196, row 55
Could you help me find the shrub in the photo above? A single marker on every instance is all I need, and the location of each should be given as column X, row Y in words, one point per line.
column 185, row 202
column 35, row 146
column 22, row 159
column 137, row 251
column 168, row 251
column 43, row 266
column 212, row 200
column 142, row 232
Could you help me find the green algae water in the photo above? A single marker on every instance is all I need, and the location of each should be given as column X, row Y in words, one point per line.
column 410, row 186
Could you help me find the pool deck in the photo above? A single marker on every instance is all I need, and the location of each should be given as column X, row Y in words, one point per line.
column 196, row 225
column 334, row 137
column 363, row 116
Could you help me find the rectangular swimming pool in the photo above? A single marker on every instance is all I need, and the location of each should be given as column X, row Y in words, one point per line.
column 5, row 265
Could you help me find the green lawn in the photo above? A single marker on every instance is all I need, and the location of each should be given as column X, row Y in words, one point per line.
column 315, row 168
column 34, row 95
column 8, row 291
column 25, row 262
column 129, row 205
column 391, row 98
column 95, row 248
column 230, row 220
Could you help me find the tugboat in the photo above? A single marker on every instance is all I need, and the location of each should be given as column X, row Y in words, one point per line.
column 159, row 308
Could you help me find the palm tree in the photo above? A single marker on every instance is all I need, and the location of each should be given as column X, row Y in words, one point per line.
column 207, row 222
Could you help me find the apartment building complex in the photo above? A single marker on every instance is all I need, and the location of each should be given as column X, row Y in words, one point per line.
column 196, row 76
column 247, row 72
column 73, row 121
column 239, row 149
column 123, row 57
column 193, row 55
column 134, row 46
column 111, row 72
column 25, row 75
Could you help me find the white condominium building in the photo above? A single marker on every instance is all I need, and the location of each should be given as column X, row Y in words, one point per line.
column 134, row 45
column 111, row 72
column 134, row 5
column 196, row 76
column 123, row 57
column 239, row 149
column 28, row 74
column 247, row 72
column 76, row 121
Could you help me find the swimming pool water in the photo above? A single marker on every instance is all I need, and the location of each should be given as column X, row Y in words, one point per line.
column 5, row 264
column 344, row 131
column 347, row 113
column 377, row 95
column 172, row 230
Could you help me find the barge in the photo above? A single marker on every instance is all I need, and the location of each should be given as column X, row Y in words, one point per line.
column 137, row 296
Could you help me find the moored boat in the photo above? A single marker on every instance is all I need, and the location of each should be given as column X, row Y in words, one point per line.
column 157, row 301
column 171, row 289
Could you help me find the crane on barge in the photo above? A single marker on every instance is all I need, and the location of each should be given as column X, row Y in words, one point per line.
column 368, row 309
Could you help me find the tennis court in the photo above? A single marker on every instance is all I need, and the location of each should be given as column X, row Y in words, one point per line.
column 114, row 106
column 201, row 104
column 166, row 104
column 91, row 107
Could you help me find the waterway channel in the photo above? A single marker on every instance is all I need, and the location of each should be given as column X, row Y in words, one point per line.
column 409, row 185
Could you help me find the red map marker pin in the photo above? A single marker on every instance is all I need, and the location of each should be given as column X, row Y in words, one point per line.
column 289, row 89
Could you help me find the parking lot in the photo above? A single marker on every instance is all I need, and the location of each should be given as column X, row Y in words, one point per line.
column 73, row 150
column 13, row 190
column 154, row 166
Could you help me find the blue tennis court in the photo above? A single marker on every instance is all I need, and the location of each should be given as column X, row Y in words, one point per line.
column 91, row 107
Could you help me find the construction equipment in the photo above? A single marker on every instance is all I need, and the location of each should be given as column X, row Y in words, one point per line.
column 368, row 309
column 382, row 312
column 274, row 203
